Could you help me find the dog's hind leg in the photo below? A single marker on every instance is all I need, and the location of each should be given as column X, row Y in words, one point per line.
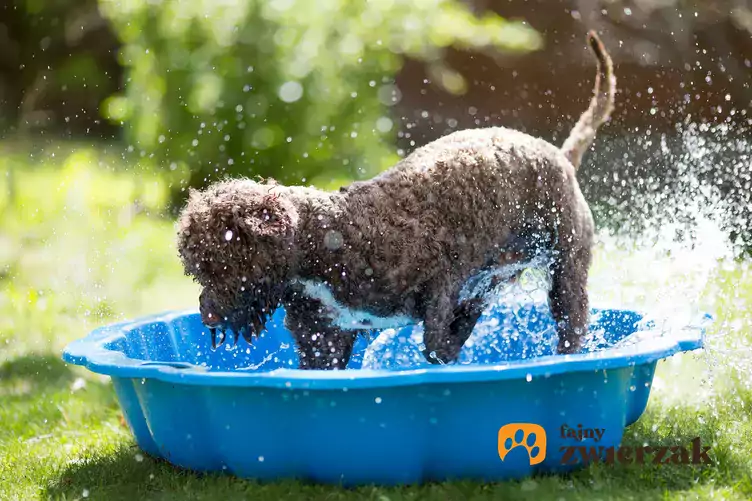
column 568, row 297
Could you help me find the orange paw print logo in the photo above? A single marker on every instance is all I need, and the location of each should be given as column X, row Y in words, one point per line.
column 530, row 436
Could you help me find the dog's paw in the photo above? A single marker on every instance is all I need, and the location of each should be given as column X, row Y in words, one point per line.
column 441, row 357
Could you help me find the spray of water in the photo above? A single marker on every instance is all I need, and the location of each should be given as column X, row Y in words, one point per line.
column 688, row 257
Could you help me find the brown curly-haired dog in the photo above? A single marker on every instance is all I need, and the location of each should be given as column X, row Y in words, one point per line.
column 402, row 247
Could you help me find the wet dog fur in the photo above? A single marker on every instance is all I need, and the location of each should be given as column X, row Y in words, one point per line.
column 399, row 248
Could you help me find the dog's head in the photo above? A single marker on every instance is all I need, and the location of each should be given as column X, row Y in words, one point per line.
column 236, row 239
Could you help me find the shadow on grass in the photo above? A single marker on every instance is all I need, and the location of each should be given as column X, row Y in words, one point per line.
column 39, row 373
column 38, row 398
column 128, row 473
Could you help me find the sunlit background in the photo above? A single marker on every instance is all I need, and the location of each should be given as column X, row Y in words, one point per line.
column 110, row 110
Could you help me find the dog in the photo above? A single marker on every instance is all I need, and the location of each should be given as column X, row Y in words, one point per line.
column 402, row 247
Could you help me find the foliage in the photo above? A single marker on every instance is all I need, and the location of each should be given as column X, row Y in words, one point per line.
column 291, row 89
column 56, row 67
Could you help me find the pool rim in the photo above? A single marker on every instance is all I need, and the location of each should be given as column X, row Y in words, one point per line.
column 90, row 353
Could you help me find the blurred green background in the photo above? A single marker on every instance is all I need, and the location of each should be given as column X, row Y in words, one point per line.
column 110, row 110
column 293, row 89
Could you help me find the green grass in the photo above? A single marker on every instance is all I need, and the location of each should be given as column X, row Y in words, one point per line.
column 77, row 251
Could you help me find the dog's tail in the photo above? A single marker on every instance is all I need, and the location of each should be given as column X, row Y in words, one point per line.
column 601, row 105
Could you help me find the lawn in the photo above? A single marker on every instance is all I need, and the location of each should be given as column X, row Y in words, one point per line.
column 83, row 242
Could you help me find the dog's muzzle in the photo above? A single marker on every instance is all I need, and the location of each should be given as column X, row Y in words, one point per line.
column 248, row 320
column 218, row 324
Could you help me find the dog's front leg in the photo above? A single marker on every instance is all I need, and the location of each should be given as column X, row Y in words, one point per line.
column 568, row 297
column 437, row 322
column 320, row 343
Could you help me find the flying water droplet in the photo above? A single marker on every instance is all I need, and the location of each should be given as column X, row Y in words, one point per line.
column 290, row 92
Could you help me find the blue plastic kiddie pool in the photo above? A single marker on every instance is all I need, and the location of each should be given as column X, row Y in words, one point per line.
column 389, row 418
